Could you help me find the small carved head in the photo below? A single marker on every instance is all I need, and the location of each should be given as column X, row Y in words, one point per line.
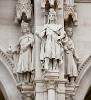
column 69, row 31
column 52, row 15
column 25, row 28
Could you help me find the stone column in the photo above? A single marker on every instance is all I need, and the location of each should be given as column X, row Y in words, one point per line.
column 61, row 84
column 51, row 78
column 39, row 22
column 61, row 90
column 51, row 90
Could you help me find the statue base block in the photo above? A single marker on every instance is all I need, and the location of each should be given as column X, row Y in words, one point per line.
column 51, row 75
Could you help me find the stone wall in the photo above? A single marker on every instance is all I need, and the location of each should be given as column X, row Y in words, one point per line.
column 9, row 32
column 82, row 33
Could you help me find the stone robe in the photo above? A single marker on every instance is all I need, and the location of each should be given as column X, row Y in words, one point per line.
column 71, row 67
column 25, row 58
column 49, row 46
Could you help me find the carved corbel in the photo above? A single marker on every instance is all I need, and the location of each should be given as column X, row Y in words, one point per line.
column 70, row 10
column 23, row 10
column 27, row 91
column 51, row 84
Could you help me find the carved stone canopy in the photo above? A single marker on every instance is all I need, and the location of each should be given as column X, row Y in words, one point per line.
column 23, row 10
column 47, row 4
column 70, row 10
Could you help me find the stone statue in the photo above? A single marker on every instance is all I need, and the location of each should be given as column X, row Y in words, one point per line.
column 24, row 65
column 72, row 58
column 51, row 51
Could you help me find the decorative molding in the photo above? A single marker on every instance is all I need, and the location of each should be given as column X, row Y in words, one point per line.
column 7, row 59
column 88, row 60
column 83, row 1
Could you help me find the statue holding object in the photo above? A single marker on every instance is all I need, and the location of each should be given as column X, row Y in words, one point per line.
column 72, row 58
column 51, row 54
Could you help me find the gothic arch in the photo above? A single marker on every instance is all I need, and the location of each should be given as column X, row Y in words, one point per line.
column 83, row 80
column 7, row 80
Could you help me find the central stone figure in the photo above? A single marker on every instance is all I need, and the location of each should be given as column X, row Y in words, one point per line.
column 51, row 55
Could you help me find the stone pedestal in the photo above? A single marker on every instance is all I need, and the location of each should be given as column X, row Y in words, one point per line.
column 27, row 91
column 39, row 89
column 70, row 92
column 61, row 89
column 51, row 78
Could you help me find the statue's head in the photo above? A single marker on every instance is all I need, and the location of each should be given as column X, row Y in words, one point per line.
column 25, row 28
column 52, row 15
column 69, row 31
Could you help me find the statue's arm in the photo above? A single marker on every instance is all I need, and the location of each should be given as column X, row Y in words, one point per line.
column 31, row 40
column 75, row 55
column 42, row 33
column 16, row 49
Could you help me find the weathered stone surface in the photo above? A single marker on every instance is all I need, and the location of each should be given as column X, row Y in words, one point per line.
column 51, row 85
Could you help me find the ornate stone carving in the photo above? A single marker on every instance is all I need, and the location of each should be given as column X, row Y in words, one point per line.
column 51, row 78
column 88, row 60
column 24, row 50
column 70, row 9
column 72, row 58
column 52, row 3
column 7, row 60
column 23, row 7
column 27, row 91
column 51, row 55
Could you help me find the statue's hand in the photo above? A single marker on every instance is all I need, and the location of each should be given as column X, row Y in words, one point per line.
column 9, row 50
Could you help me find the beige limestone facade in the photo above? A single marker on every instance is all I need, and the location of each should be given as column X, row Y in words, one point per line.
column 45, row 50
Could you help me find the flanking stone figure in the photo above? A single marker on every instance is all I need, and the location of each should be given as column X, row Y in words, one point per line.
column 26, row 41
column 51, row 54
column 72, row 59
column 24, row 50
